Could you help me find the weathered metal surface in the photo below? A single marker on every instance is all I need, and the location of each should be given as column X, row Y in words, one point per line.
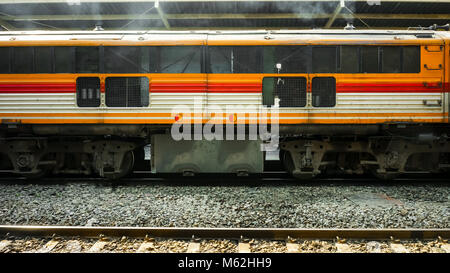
column 170, row 156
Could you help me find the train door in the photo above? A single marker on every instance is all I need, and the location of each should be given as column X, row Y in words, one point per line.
column 234, row 82
column 300, row 94
column 295, row 90
column 447, row 77
column 433, row 61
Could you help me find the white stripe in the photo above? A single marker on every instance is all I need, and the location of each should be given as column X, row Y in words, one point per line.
column 225, row 118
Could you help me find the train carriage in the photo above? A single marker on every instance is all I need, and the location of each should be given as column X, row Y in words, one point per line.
column 335, row 101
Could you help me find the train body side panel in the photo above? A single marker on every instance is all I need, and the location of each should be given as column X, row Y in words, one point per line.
column 447, row 76
column 365, row 98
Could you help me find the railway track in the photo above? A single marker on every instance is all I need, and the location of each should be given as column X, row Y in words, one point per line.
column 266, row 177
column 227, row 240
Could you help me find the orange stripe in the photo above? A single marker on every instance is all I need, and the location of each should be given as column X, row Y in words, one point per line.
column 361, row 121
column 360, row 114
column 92, row 121
column 170, row 121
column 225, row 115
column 85, row 115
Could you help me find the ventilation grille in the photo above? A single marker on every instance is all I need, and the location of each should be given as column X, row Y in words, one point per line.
column 88, row 92
column 127, row 91
column 291, row 91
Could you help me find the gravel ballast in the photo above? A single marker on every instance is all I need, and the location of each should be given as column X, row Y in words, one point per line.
column 238, row 204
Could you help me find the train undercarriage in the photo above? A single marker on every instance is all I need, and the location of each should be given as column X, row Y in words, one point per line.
column 384, row 157
column 111, row 151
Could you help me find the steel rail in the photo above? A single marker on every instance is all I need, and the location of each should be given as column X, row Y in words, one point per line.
column 225, row 233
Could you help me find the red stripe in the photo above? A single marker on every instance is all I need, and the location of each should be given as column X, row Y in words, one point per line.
column 178, row 87
column 203, row 88
column 33, row 91
column 39, row 85
column 387, row 88
column 233, row 88
column 38, row 88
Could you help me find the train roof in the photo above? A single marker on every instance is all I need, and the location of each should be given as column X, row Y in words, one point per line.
column 223, row 32
column 268, row 36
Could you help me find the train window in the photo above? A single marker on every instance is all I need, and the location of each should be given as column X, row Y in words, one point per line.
column 369, row 55
column 179, row 59
column 87, row 59
column 43, row 57
column 268, row 91
column 293, row 59
column 153, row 56
column 349, row 59
column 237, row 59
column 247, row 59
column 4, row 59
column 122, row 59
column 391, row 59
column 220, row 59
column 411, row 59
column 324, row 59
column 144, row 59
column 323, row 92
column 64, row 59
column 88, row 91
column 127, row 91
column 269, row 60
column 23, row 60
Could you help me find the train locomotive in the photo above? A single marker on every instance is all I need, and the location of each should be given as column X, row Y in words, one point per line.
column 335, row 101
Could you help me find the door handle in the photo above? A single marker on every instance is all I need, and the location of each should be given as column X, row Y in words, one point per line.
column 430, row 50
column 429, row 68
column 432, row 103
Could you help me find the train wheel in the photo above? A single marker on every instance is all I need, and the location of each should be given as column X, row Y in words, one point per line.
column 303, row 176
column 286, row 160
column 288, row 163
column 125, row 169
column 38, row 175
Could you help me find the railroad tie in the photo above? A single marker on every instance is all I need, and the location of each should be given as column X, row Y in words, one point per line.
column 98, row 246
column 48, row 247
column 292, row 248
column 193, row 247
column 73, row 246
column 4, row 244
column 146, row 247
column 446, row 247
column 373, row 247
column 343, row 248
column 244, row 247
column 398, row 248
